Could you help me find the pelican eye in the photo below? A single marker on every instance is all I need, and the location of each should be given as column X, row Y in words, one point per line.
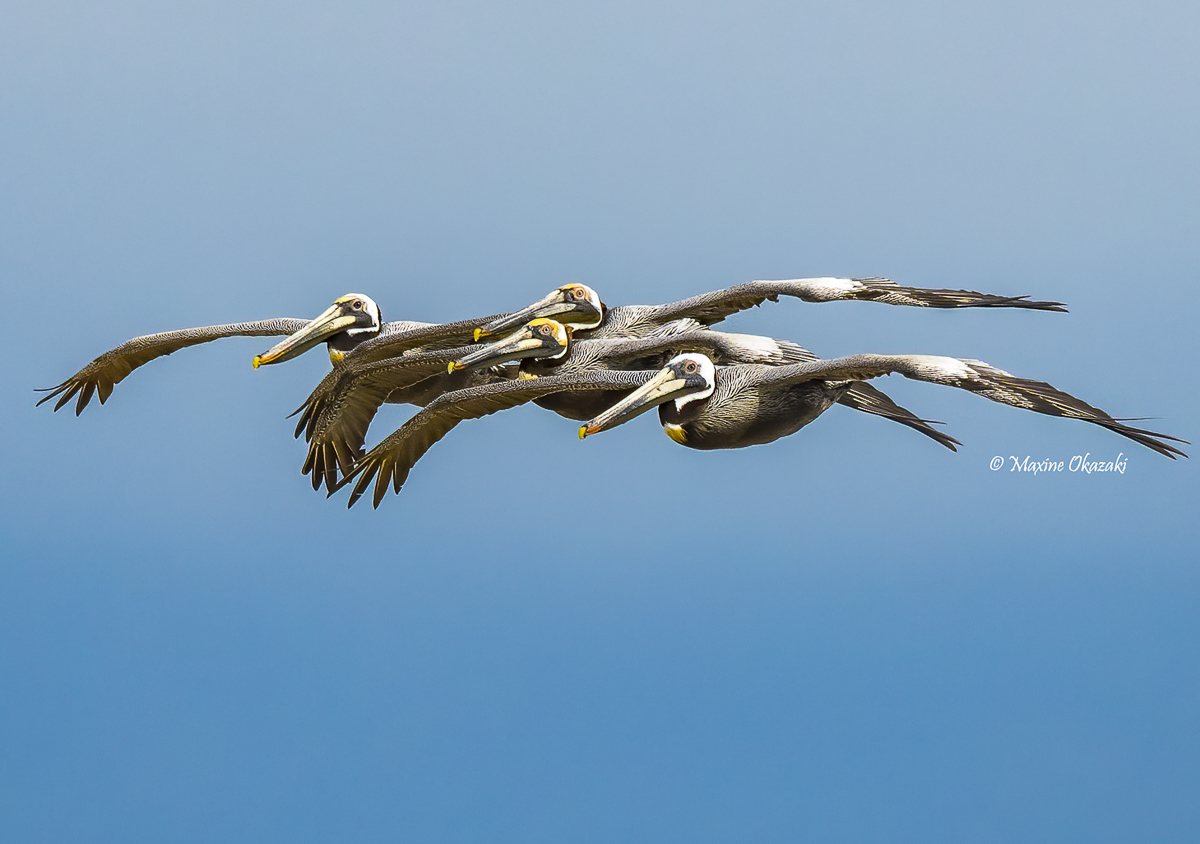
column 579, row 293
column 357, row 304
column 691, row 367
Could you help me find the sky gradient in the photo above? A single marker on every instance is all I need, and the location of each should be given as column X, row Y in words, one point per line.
column 851, row 634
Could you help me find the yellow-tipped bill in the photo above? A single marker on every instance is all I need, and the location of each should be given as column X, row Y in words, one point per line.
column 332, row 321
column 541, row 338
column 663, row 387
column 576, row 305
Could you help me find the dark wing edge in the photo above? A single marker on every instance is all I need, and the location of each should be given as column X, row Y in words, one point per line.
column 977, row 377
column 336, row 420
column 868, row 399
column 710, row 308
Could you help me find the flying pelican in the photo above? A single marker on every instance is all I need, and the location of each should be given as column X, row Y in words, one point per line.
column 351, row 320
column 579, row 306
column 606, row 367
column 541, row 353
column 351, row 324
column 708, row 407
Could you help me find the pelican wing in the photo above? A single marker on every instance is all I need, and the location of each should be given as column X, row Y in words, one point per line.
column 336, row 416
column 723, row 347
column 391, row 460
column 972, row 375
column 101, row 375
column 395, row 343
column 868, row 399
column 709, row 308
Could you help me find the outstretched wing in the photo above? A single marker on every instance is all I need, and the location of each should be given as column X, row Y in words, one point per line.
column 101, row 375
column 972, row 375
column 722, row 346
column 709, row 308
column 391, row 460
column 336, row 416
column 392, row 344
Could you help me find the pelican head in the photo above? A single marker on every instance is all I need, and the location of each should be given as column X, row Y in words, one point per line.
column 540, row 338
column 686, row 378
column 347, row 322
column 576, row 306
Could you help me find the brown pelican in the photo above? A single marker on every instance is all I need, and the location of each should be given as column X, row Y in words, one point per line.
column 604, row 367
column 708, row 407
column 542, row 352
column 350, row 321
column 579, row 306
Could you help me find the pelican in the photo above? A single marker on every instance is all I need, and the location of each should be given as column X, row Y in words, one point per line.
column 351, row 320
column 708, row 407
column 542, row 352
column 579, row 306
column 590, row 367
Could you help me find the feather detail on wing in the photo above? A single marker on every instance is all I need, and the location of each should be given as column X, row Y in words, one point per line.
column 336, row 416
column 109, row 369
column 710, row 308
column 391, row 460
column 976, row 377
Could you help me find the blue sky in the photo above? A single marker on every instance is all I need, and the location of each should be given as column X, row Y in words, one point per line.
column 849, row 635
